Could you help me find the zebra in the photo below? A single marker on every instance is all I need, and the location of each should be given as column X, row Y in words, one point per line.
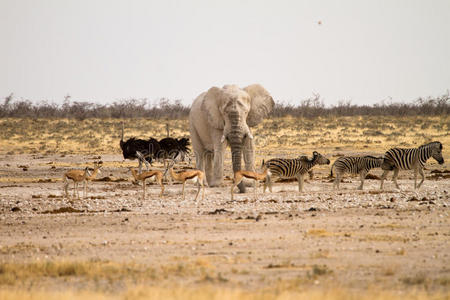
column 290, row 168
column 354, row 165
column 410, row 159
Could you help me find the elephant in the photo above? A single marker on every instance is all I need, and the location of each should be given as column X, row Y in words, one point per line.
column 224, row 116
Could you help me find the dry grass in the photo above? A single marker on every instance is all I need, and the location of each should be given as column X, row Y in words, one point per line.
column 100, row 136
column 16, row 273
column 213, row 293
column 318, row 233
column 135, row 281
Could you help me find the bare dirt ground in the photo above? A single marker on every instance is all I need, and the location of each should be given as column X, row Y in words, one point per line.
column 396, row 240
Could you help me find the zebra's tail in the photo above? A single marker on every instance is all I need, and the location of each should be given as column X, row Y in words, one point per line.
column 331, row 171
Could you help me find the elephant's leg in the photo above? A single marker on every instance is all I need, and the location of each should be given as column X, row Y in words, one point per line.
column 218, row 164
column 199, row 149
column 208, row 165
column 248, row 152
column 199, row 159
column 218, row 168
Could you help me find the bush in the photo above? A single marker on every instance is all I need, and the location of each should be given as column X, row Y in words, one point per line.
column 169, row 109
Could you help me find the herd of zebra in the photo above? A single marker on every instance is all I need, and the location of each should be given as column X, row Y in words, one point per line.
column 395, row 159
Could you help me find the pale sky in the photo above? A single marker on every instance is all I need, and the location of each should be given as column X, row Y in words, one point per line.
column 103, row 51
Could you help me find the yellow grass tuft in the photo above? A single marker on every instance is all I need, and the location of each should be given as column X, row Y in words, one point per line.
column 318, row 233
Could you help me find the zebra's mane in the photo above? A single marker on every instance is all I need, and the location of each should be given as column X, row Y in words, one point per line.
column 306, row 159
column 303, row 158
column 370, row 156
column 437, row 143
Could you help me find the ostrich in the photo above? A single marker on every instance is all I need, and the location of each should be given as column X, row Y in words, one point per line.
column 143, row 150
column 175, row 149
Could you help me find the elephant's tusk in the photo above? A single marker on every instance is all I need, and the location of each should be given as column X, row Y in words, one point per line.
column 222, row 139
column 250, row 136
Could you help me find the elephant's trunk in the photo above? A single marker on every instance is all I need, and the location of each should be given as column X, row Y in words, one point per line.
column 236, row 157
column 236, row 136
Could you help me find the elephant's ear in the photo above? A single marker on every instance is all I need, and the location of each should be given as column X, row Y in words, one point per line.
column 262, row 104
column 212, row 102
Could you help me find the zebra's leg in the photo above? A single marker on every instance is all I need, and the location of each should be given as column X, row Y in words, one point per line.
column 300, row 182
column 415, row 177
column 362, row 176
column 383, row 177
column 337, row 180
column 394, row 178
column 423, row 177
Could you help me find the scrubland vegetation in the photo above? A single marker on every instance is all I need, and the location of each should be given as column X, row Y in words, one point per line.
column 174, row 109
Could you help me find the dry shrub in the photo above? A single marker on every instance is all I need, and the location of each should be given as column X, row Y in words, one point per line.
column 173, row 109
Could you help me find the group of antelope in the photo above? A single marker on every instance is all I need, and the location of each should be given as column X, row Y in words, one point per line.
column 394, row 159
column 84, row 176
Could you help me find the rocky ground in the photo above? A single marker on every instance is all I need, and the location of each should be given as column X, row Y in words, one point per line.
column 392, row 239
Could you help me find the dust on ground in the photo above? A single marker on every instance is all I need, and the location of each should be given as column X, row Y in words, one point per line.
column 391, row 239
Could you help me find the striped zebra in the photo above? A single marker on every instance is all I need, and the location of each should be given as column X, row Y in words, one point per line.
column 354, row 165
column 410, row 159
column 293, row 168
